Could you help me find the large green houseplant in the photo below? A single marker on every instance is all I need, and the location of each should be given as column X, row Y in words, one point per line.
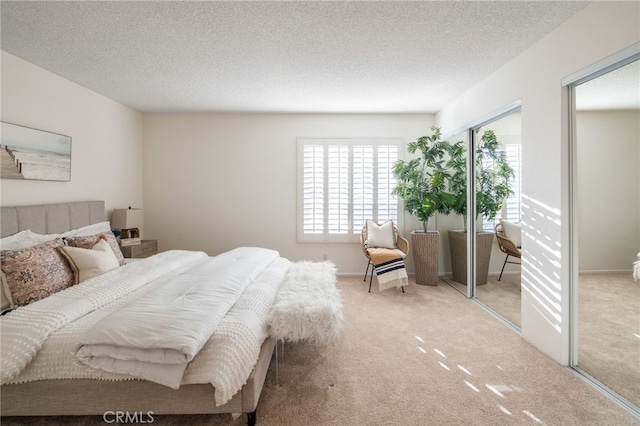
column 493, row 186
column 422, row 184
column 493, row 177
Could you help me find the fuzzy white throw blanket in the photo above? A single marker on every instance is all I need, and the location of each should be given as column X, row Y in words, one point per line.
column 308, row 305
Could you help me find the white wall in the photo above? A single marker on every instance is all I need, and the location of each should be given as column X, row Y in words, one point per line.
column 608, row 189
column 534, row 77
column 217, row 181
column 106, row 157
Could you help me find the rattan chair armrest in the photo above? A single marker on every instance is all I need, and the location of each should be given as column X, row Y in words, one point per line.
column 363, row 241
column 507, row 246
column 403, row 244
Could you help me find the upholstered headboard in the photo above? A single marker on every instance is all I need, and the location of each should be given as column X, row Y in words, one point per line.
column 49, row 219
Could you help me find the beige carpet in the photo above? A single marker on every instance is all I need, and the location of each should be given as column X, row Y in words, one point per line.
column 609, row 324
column 609, row 331
column 502, row 296
column 424, row 357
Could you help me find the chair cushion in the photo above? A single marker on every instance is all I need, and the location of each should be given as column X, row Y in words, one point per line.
column 513, row 232
column 396, row 251
column 380, row 235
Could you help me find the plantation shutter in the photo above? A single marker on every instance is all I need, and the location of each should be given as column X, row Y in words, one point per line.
column 511, row 205
column 313, row 189
column 343, row 182
column 338, row 189
column 363, row 185
column 387, row 203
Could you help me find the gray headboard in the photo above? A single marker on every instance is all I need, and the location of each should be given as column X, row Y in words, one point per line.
column 48, row 219
column 51, row 218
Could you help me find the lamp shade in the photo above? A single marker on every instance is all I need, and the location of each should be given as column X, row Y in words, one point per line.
column 127, row 218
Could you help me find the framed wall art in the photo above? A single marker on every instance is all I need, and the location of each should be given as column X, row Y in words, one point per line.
column 34, row 154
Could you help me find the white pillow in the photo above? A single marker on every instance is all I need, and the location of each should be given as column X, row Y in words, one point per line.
column 513, row 232
column 84, row 231
column 88, row 263
column 22, row 239
column 380, row 235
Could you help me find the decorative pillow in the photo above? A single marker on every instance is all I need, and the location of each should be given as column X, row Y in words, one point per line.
column 513, row 232
column 88, row 263
column 35, row 272
column 89, row 241
column 380, row 235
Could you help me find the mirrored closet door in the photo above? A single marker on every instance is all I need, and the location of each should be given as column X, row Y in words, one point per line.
column 498, row 157
column 452, row 226
column 498, row 239
column 606, row 215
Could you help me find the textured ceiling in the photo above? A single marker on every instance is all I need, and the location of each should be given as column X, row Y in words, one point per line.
column 292, row 56
column 618, row 89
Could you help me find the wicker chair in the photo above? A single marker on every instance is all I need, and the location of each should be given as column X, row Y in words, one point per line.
column 506, row 246
column 402, row 245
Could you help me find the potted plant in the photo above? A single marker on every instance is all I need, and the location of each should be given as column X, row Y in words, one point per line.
column 493, row 186
column 422, row 185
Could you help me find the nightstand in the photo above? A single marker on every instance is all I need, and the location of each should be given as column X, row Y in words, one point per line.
column 146, row 248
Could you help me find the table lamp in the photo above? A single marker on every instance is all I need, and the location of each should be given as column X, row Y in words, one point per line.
column 129, row 221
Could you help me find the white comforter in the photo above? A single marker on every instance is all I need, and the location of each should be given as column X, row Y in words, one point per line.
column 225, row 358
column 156, row 335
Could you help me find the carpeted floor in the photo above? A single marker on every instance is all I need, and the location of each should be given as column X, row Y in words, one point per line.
column 501, row 296
column 424, row 357
column 609, row 331
column 609, row 324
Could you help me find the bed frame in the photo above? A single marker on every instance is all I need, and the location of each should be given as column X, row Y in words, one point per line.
column 97, row 397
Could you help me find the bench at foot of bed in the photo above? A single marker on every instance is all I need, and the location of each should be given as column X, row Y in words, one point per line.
column 308, row 305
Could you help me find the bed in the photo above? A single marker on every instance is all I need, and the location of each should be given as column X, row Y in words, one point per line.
column 91, row 396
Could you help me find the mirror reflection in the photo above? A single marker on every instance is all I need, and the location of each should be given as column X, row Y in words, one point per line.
column 498, row 186
column 453, row 225
column 498, row 241
column 607, row 213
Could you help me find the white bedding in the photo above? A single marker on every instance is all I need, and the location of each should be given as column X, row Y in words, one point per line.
column 225, row 359
column 156, row 335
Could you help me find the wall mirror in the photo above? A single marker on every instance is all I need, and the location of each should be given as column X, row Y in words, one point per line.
column 606, row 226
column 453, row 224
column 498, row 244
column 497, row 272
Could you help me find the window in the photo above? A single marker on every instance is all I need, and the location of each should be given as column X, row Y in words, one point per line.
column 510, row 206
column 341, row 183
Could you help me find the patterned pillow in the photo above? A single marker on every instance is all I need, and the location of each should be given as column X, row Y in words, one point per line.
column 35, row 272
column 88, row 242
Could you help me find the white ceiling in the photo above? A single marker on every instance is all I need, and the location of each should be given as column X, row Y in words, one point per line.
column 291, row 56
column 618, row 89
